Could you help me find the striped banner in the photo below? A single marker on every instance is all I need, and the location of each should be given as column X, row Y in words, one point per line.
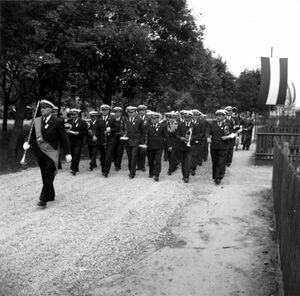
column 290, row 95
column 274, row 77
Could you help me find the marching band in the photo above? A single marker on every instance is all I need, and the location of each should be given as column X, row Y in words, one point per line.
column 181, row 138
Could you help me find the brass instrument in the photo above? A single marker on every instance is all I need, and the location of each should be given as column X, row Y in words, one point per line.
column 67, row 125
column 124, row 137
column 30, row 132
column 106, row 133
column 188, row 137
column 226, row 130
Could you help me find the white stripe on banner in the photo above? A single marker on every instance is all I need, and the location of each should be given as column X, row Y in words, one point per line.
column 274, row 82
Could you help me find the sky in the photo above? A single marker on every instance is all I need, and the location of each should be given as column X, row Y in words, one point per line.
column 241, row 31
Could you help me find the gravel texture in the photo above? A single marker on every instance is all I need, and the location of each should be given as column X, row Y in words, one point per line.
column 98, row 229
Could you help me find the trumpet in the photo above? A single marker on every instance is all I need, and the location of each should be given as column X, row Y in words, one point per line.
column 188, row 137
column 30, row 132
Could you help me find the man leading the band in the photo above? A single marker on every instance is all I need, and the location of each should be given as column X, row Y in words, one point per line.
column 48, row 136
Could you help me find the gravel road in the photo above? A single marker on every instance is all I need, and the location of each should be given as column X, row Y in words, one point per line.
column 120, row 236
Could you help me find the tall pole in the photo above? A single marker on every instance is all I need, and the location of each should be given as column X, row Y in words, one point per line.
column 271, row 51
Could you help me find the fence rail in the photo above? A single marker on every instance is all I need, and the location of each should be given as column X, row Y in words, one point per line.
column 286, row 194
column 286, row 129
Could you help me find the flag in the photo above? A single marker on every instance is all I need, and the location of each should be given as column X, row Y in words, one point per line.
column 274, row 77
column 290, row 95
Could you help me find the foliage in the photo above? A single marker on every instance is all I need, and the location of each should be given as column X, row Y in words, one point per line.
column 247, row 91
column 110, row 51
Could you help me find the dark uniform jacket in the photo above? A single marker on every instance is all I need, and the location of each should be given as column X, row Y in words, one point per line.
column 156, row 135
column 102, row 124
column 181, row 131
column 54, row 134
column 119, row 122
column 77, row 126
column 217, row 132
column 91, row 133
column 135, row 131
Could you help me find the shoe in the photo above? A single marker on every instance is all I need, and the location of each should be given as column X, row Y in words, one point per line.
column 217, row 181
column 228, row 164
column 193, row 173
column 117, row 168
column 143, row 169
column 151, row 176
column 131, row 176
column 41, row 205
column 73, row 173
column 105, row 175
column 185, row 180
column 169, row 173
column 91, row 168
column 156, row 178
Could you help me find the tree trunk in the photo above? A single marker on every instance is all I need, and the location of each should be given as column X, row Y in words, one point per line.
column 17, row 129
column 5, row 115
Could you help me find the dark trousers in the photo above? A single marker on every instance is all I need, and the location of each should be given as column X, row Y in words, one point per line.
column 102, row 149
column 48, row 169
column 93, row 151
column 229, row 155
column 173, row 160
column 197, row 156
column 205, row 149
column 132, row 154
column 247, row 137
column 218, row 158
column 186, row 162
column 141, row 158
column 154, row 159
column 118, row 153
column 75, row 152
column 108, row 158
column 166, row 154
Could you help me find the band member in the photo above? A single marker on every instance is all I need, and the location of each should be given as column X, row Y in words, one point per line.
column 218, row 134
column 105, row 131
column 119, row 144
column 135, row 131
column 198, row 149
column 156, row 134
column 173, row 157
column 92, row 141
column 76, row 129
column 204, row 142
column 142, row 109
column 48, row 136
column 231, row 142
column 247, row 127
column 188, row 133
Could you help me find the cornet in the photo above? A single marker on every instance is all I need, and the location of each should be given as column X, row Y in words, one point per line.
column 30, row 132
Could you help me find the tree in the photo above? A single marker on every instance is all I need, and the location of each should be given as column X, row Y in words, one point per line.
column 247, row 91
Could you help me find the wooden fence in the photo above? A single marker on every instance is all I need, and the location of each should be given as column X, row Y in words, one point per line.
column 284, row 128
column 286, row 194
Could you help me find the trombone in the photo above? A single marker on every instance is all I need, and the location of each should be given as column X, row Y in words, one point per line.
column 30, row 132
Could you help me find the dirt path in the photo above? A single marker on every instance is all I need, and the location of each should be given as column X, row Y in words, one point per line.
column 118, row 236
